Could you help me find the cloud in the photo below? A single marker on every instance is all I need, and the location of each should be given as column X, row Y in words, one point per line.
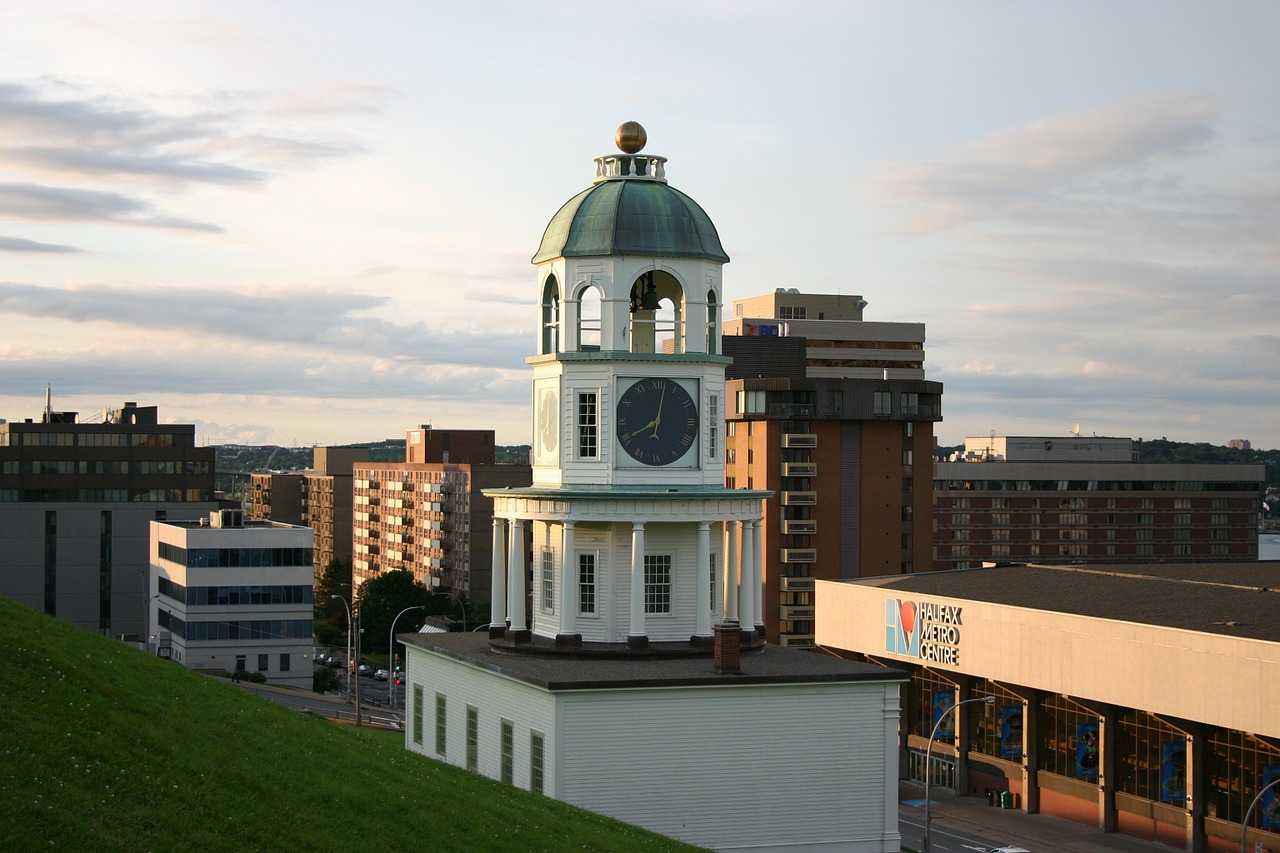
column 306, row 318
column 33, row 202
column 18, row 244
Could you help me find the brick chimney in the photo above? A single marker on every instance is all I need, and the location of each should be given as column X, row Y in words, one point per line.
column 728, row 648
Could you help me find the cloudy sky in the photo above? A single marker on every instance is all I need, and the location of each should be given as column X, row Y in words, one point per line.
column 311, row 222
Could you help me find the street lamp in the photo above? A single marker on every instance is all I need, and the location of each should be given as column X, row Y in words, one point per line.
column 1244, row 827
column 391, row 650
column 352, row 629
column 928, row 759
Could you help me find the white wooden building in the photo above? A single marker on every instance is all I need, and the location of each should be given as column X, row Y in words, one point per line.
column 625, row 669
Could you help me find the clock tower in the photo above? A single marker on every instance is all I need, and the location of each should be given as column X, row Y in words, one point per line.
column 635, row 542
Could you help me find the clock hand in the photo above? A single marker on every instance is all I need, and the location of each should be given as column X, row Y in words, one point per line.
column 657, row 416
column 634, row 433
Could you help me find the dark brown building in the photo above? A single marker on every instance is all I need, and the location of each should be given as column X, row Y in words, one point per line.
column 76, row 501
column 835, row 417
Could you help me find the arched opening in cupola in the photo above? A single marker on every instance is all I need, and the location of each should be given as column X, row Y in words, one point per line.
column 713, row 323
column 588, row 298
column 550, row 339
column 657, row 313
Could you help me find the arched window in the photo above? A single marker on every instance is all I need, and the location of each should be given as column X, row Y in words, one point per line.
column 713, row 324
column 550, row 316
column 589, row 318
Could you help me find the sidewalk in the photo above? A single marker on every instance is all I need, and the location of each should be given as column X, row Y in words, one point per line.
column 1036, row 832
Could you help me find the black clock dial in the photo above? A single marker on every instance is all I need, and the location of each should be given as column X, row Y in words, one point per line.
column 657, row 421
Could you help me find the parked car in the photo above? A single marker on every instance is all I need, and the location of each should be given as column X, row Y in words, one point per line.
column 334, row 661
column 380, row 675
column 364, row 670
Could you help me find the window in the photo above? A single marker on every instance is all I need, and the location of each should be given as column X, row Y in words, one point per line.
column 1145, row 550
column 1146, row 518
column 882, row 403
column 284, row 663
column 473, row 737
column 264, row 662
column 657, row 583
column 441, row 724
column 713, row 426
column 588, row 426
column 999, row 503
column 1182, row 503
column 586, row 583
column 508, row 739
column 548, row 580
column 1219, row 518
column 1182, row 550
column 792, row 312
column 1182, row 518
column 1145, row 533
column 960, row 518
column 417, row 714
column 907, row 457
column 713, row 581
column 999, row 518
column 1000, row 534
column 535, row 762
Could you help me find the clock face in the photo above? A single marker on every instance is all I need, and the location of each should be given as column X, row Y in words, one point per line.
column 657, row 421
column 548, row 432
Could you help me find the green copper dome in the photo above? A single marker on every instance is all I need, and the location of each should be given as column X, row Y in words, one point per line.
column 631, row 217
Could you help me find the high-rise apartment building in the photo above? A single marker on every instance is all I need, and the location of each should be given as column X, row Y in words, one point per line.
column 420, row 515
column 76, row 499
column 1076, row 499
column 327, row 502
column 832, row 414
column 278, row 497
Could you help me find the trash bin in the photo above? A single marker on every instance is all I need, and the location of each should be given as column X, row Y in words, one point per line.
column 1006, row 800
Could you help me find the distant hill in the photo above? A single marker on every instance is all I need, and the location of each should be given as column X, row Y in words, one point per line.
column 235, row 462
column 105, row 748
column 1161, row 450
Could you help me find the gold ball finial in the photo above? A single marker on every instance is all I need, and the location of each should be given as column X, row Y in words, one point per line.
column 630, row 137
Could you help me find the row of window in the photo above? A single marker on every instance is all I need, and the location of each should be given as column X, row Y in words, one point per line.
column 506, row 741
column 657, row 582
column 105, row 495
column 233, row 557
column 252, row 629
column 1150, row 754
column 142, row 467
column 1092, row 486
column 1086, row 503
column 1081, row 549
column 197, row 596
column 96, row 439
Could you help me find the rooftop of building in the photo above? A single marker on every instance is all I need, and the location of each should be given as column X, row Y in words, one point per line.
column 555, row 672
column 1237, row 599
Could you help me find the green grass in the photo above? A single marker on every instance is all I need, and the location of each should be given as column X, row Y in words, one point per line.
column 105, row 748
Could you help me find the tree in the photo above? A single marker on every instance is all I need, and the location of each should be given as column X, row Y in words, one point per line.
column 336, row 580
column 324, row 680
column 383, row 597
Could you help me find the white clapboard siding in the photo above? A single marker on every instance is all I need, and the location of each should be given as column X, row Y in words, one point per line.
column 495, row 698
column 738, row 767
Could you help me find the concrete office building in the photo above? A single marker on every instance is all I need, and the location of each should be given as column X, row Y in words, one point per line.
column 637, row 671
column 228, row 594
column 429, row 515
column 1077, row 499
column 1138, row 697
column 831, row 413
column 75, row 501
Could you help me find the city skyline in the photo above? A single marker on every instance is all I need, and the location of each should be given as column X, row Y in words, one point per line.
column 312, row 224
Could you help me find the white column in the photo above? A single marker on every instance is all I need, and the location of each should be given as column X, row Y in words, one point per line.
column 637, row 628
column 515, row 577
column 746, row 583
column 498, row 581
column 702, row 627
column 731, row 571
column 568, row 582
column 757, row 569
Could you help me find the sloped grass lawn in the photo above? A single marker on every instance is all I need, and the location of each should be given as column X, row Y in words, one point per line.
column 105, row 748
